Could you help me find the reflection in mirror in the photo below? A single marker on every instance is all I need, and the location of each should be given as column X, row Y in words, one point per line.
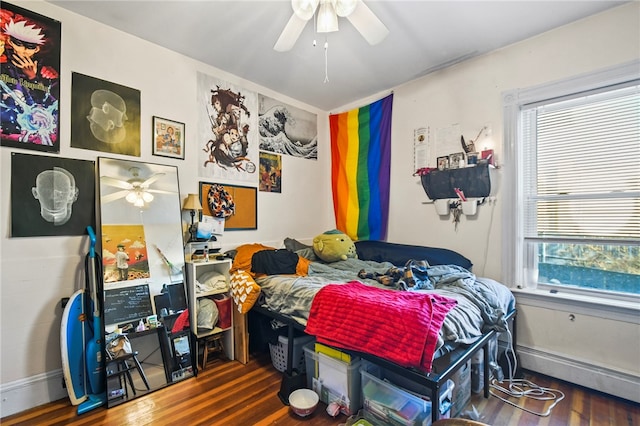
column 143, row 260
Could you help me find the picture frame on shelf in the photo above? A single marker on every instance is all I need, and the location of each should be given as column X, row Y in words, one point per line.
column 168, row 138
column 443, row 162
column 456, row 161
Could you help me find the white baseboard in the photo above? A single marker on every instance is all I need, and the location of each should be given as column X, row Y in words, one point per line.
column 612, row 382
column 31, row 392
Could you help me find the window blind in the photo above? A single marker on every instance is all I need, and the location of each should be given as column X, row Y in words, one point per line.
column 582, row 166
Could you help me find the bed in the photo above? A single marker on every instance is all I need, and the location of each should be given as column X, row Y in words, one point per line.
column 464, row 311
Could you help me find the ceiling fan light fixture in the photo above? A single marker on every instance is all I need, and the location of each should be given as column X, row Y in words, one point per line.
column 327, row 18
column 139, row 202
column 147, row 197
column 304, row 9
column 345, row 8
column 131, row 197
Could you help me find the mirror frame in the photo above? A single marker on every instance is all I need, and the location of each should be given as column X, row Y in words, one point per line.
column 152, row 235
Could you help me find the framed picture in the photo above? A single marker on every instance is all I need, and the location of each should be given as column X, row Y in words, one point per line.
column 456, row 160
column 30, row 106
column 443, row 162
column 51, row 195
column 238, row 205
column 270, row 172
column 105, row 116
column 168, row 138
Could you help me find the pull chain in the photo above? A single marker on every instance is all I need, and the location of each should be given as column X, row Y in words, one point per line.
column 326, row 61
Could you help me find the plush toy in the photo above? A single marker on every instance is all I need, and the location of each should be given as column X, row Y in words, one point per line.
column 333, row 246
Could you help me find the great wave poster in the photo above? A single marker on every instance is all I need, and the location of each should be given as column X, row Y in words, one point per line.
column 285, row 129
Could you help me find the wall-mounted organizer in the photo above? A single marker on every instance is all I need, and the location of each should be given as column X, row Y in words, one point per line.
column 476, row 183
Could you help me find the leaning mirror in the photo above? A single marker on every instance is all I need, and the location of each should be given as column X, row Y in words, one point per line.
column 142, row 270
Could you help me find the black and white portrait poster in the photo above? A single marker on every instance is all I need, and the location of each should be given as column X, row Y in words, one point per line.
column 30, row 80
column 227, row 130
column 51, row 196
column 285, row 129
column 105, row 116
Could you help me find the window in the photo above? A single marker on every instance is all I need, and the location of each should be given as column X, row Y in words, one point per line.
column 576, row 147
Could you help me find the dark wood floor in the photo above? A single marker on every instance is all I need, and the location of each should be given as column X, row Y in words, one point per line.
column 229, row 393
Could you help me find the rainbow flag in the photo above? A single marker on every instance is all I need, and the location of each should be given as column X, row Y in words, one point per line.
column 360, row 169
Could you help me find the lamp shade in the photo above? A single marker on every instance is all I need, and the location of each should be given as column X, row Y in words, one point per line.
column 192, row 202
column 327, row 18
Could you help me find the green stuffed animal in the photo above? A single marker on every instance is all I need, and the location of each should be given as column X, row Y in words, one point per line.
column 334, row 245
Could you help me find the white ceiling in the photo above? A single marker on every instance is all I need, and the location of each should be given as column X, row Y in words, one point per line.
column 238, row 37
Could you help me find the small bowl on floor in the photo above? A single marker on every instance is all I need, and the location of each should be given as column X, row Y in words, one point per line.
column 303, row 401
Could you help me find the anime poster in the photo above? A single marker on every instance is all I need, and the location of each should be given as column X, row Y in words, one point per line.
column 30, row 80
column 270, row 172
column 51, row 196
column 227, row 130
column 285, row 129
column 124, row 253
column 105, row 116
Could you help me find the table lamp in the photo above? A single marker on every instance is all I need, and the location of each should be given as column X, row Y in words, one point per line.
column 192, row 203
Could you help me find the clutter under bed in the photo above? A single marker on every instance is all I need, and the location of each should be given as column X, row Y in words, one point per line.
column 422, row 314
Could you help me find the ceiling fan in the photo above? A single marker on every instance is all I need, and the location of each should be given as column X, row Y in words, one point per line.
column 135, row 190
column 359, row 14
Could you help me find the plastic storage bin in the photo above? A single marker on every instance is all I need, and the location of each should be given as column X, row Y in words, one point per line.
column 386, row 403
column 462, row 391
column 279, row 352
column 334, row 380
column 477, row 372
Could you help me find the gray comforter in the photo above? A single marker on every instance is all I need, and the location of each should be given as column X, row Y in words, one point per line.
column 482, row 302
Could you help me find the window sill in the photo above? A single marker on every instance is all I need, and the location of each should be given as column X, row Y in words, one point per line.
column 617, row 310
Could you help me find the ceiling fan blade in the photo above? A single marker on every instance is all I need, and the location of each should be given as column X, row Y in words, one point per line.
column 114, row 196
column 107, row 180
column 159, row 191
column 290, row 34
column 152, row 179
column 368, row 24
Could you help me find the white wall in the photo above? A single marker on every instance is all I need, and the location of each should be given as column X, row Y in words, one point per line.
column 37, row 272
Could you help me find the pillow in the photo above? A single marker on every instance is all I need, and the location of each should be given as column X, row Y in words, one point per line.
column 307, row 253
column 295, row 245
column 207, row 313
column 244, row 253
column 399, row 254
column 244, row 291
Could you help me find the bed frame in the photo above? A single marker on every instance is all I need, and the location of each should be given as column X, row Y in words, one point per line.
column 444, row 367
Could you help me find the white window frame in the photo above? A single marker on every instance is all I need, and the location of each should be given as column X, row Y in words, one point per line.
column 513, row 247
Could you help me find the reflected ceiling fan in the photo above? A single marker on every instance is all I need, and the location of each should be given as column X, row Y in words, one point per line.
column 135, row 190
column 359, row 14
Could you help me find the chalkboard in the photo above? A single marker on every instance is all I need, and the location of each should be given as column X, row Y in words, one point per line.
column 127, row 304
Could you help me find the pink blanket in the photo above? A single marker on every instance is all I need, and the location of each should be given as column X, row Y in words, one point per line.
column 400, row 326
